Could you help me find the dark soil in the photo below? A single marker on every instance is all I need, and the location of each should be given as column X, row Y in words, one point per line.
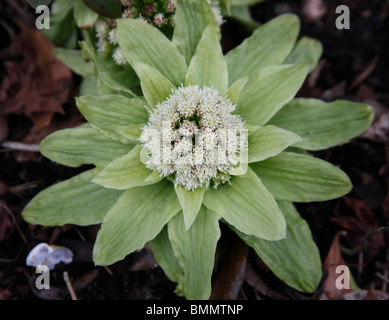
column 347, row 54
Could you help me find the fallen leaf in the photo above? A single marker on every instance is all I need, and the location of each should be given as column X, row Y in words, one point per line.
column 333, row 260
column 363, row 222
column 38, row 83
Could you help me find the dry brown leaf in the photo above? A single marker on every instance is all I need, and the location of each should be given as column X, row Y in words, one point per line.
column 333, row 260
column 363, row 222
column 39, row 83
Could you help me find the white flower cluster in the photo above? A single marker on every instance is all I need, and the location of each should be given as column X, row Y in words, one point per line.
column 193, row 135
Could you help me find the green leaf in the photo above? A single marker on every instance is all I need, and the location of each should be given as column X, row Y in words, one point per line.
column 76, row 201
column 208, row 67
column 107, row 8
column 195, row 251
column 110, row 111
column 296, row 259
column 118, row 78
column 74, row 60
column 131, row 132
column 269, row 45
column 88, row 86
column 306, row 50
column 323, row 125
column 163, row 253
column 245, row 2
column 190, row 202
column 269, row 141
column 268, row 91
column 125, row 172
column 137, row 217
column 249, row 206
column 155, row 86
column 82, row 145
column 301, row 178
column 144, row 43
column 236, row 88
column 85, row 17
column 243, row 166
column 192, row 18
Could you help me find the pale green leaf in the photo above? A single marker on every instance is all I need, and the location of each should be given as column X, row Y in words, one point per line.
column 243, row 160
column 306, row 50
column 146, row 44
column 269, row 45
column 163, row 253
column 137, row 217
column 82, row 145
column 236, row 88
column 84, row 17
column 301, row 178
column 155, row 86
column 121, row 79
column 195, row 251
column 109, row 111
column 74, row 201
column 323, row 125
column 245, row 2
column 131, row 132
column 88, row 86
column 269, row 141
column 208, row 66
column 74, row 60
column 192, row 17
column 296, row 259
column 190, row 202
column 268, row 91
column 249, row 206
column 125, row 172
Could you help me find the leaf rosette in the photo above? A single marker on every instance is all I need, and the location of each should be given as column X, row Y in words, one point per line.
column 138, row 203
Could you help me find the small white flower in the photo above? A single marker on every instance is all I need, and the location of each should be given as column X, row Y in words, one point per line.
column 102, row 29
column 194, row 136
column 171, row 6
column 112, row 36
column 160, row 20
column 126, row 3
column 119, row 57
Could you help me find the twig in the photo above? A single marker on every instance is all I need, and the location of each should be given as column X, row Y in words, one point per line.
column 363, row 241
column 382, row 277
column 20, row 146
column 69, row 285
column 15, row 224
column 386, row 273
column 360, row 262
column 108, row 270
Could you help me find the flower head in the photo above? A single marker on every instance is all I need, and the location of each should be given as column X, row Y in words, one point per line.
column 193, row 135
